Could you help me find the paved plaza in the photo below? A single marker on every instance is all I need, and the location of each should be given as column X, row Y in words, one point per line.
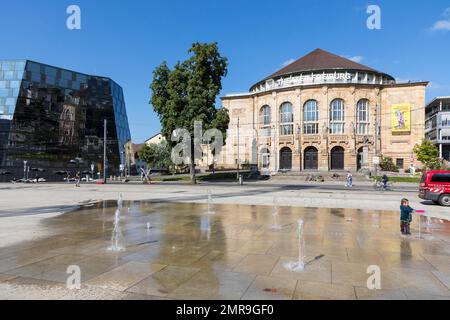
column 175, row 249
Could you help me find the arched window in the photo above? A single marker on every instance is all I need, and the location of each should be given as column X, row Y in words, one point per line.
column 362, row 119
column 264, row 120
column 286, row 119
column 311, row 117
column 337, row 117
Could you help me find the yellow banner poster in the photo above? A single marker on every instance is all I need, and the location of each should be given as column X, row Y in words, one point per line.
column 401, row 118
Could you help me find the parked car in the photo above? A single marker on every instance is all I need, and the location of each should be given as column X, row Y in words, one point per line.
column 435, row 186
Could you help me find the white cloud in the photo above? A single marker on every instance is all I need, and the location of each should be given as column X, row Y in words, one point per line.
column 442, row 25
column 357, row 59
column 288, row 62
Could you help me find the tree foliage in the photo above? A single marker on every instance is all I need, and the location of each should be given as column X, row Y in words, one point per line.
column 428, row 154
column 387, row 164
column 157, row 156
column 188, row 93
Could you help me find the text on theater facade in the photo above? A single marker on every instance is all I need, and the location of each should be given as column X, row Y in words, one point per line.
column 320, row 77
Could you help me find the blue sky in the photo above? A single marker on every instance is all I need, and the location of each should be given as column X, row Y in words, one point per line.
column 126, row 40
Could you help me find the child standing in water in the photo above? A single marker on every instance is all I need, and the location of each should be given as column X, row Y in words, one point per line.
column 405, row 217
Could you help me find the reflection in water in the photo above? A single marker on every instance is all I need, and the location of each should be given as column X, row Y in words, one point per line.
column 205, row 228
column 405, row 248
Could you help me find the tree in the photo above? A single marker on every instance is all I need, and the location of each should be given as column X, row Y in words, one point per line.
column 188, row 94
column 387, row 164
column 428, row 154
column 157, row 155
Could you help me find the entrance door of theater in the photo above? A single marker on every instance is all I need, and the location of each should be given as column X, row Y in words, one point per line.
column 311, row 159
column 360, row 159
column 286, row 159
column 337, row 158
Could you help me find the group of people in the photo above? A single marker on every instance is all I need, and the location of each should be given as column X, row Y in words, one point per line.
column 349, row 181
column 77, row 179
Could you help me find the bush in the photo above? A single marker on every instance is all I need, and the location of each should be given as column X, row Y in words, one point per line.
column 400, row 179
column 245, row 165
column 387, row 164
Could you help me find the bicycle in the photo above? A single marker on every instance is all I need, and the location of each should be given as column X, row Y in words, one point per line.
column 379, row 186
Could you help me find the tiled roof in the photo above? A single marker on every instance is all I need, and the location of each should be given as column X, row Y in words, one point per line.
column 320, row 60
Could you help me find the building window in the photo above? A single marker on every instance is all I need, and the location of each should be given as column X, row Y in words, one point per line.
column 400, row 163
column 441, row 178
column 445, row 120
column 362, row 117
column 311, row 118
column 337, row 117
column 265, row 121
column 286, row 119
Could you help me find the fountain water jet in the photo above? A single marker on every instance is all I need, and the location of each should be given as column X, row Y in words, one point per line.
column 116, row 238
column 275, row 214
column 210, row 203
column 299, row 265
column 120, row 201
column 376, row 220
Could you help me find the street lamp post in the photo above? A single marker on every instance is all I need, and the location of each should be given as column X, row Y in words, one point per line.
column 122, row 168
column 376, row 148
column 92, row 171
column 104, row 150
column 238, row 145
column 299, row 132
column 25, row 170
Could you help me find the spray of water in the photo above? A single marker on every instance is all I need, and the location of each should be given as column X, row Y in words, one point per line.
column 299, row 265
column 117, row 237
column 275, row 214
column 210, row 203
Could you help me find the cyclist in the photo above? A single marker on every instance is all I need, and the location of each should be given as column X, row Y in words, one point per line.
column 385, row 181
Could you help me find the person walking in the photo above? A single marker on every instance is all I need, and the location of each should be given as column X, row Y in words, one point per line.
column 349, row 182
column 385, row 181
column 77, row 179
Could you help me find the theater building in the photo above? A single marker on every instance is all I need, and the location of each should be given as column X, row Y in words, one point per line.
column 324, row 113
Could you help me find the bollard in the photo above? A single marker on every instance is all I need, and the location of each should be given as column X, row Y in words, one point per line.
column 241, row 180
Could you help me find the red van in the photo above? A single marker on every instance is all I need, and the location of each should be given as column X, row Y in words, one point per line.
column 435, row 186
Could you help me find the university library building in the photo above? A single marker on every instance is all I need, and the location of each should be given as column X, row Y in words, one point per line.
column 324, row 113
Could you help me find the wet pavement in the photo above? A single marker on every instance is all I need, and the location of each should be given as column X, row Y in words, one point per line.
column 232, row 254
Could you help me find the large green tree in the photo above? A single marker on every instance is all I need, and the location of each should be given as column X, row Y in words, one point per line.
column 157, row 156
column 428, row 154
column 188, row 93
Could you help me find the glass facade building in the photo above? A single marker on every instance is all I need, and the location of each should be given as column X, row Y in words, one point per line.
column 53, row 118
